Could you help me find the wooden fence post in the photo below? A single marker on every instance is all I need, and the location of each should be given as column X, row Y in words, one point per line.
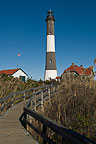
column 25, row 117
column 24, row 97
column 2, row 106
column 54, row 89
column 44, row 131
column 42, row 101
column 12, row 100
column 49, row 93
column 35, row 100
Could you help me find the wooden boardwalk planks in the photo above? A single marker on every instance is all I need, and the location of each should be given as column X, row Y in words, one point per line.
column 11, row 130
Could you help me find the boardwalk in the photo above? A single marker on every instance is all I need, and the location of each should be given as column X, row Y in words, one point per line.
column 11, row 131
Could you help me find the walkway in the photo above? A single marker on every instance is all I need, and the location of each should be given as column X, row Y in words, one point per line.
column 11, row 130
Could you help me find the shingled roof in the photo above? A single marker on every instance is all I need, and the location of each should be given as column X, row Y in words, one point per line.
column 79, row 70
column 9, row 71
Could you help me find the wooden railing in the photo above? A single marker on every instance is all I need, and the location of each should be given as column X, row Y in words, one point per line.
column 16, row 97
column 37, row 97
column 68, row 136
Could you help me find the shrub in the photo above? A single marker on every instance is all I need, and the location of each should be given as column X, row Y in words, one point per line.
column 74, row 106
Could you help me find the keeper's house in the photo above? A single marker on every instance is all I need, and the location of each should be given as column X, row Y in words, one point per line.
column 19, row 73
column 79, row 71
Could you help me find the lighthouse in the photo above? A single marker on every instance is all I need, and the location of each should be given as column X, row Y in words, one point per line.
column 50, row 67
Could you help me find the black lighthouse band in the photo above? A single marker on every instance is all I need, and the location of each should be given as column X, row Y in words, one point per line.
column 50, row 61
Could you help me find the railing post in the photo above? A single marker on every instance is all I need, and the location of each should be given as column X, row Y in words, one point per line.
column 25, row 117
column 54, row 89
column 12, row 101
column 35, row 100
column 24, row 97
column 49, row 93
column 44, row 132
column 32, row 104
column 63, row 140
column 2, row 106
column 42, row 100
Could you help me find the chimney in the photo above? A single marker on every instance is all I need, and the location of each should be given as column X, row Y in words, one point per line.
column 91, row 67
column 81, row 66
column 72, row 64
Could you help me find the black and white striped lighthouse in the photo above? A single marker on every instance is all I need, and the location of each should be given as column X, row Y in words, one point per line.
column 50, row 67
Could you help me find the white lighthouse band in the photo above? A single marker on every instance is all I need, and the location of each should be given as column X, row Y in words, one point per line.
column 50, row 43
column 50, row 74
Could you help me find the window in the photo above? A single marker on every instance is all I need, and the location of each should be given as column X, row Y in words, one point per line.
column 50, row 61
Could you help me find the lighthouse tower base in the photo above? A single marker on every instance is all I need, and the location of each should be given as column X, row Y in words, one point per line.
column 50, row 74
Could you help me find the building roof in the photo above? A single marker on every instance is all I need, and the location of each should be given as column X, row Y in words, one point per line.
column 58, row 77
column 10, row 71
column 79, row 70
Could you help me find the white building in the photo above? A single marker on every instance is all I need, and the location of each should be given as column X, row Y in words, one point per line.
column 19, row 73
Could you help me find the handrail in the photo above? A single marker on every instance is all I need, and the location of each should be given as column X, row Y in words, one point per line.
column 10, row 99
column 68, row 136
column 66, row 133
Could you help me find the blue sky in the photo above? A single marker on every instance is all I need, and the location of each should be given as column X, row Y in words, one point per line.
column 23, row 30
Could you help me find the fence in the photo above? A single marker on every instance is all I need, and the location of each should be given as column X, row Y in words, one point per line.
column 14, row 98
column 37, row 97
column 68, row 136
